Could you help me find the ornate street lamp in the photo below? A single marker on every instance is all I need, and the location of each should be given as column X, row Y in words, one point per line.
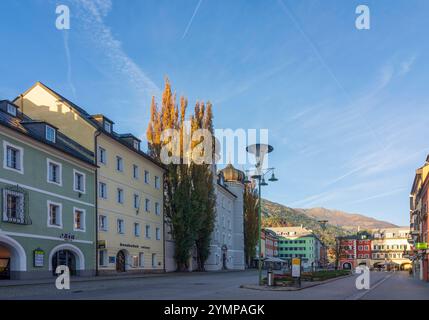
column 259, row 150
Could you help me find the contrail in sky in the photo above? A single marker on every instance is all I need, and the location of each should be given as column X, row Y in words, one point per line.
column 192, row 19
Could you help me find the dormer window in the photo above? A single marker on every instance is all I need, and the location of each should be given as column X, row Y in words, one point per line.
column 136, row 145
column 50, row 134
column 108, row 126
column 11, row 109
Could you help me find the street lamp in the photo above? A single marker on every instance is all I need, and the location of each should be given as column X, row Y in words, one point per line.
column 259, row 150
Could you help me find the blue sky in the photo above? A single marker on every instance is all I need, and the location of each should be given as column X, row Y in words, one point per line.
column 345, row 107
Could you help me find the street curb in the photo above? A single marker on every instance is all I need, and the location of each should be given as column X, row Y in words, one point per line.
column 280, row 288
column 110, row 278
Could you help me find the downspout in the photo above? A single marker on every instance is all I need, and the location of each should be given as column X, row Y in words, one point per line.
column 96, row 134
column 22, row 102
column 163, row 220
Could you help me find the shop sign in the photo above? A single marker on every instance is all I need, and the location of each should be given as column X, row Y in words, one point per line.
column 67, row 236
column 112, row 259
column 421, row 246
column 39, row 258
column 101, row 244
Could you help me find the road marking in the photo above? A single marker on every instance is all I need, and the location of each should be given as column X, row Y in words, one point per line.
column 360, row 295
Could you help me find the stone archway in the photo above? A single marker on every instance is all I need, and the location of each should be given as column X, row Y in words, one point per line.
column 121, row 261
column 78, row 256
column 406, row 266
column 14, row 255
column 347, row 266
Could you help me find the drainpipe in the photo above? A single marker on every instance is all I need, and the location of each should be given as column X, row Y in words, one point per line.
column 163, row 220
column 96, row 134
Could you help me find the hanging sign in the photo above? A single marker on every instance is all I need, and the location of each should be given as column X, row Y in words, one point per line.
column 421, row 246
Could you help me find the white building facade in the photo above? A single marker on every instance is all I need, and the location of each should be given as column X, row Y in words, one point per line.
column 227, row 243
column 227, row 240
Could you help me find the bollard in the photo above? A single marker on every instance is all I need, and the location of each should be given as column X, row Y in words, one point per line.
column 270, row 278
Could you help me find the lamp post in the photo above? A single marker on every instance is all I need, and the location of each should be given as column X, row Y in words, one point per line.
column 259, row 151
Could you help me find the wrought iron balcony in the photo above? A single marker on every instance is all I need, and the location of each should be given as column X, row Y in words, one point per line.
column 15, row 220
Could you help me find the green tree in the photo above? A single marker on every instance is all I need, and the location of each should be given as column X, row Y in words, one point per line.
column 250, row 200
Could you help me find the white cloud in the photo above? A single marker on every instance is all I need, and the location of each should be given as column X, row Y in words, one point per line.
column 92, row 14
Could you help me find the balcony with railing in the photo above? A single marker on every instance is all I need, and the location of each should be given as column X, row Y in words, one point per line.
column 15, row 206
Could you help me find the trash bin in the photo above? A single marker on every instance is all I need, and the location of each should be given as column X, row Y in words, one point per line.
column 270, row 278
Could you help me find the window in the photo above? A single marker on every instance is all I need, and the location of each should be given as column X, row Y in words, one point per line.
column 137, row 229
column 79, row 181
column 102, row 223
column 13, row 206
column 120, row 195
column 121, row 226
column 11, row 109
column 136, row 201
column 158, row 234
column 147, row 231
column 102, row 257
column 157, row 208
column 13, row 157
column 147, row 205
column 102, row 155
column 135, row 260
column 146, row 176
column 107, row 126
column 136, row 145
column 157, row 182
column 154, row 260
column 54, row 172
column 102, row 189
column 119, row 164
column 141, row 259
column 135, row 171
column 79, row 220
column 50, row 134
column 55, row 215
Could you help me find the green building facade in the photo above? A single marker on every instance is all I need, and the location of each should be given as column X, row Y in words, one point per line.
column 47, row 200
column 298, row 242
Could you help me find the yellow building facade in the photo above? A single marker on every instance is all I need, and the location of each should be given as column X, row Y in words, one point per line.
column 130, row 234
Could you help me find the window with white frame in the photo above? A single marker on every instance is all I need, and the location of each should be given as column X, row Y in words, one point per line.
column 147, row 231
column 107, row 126
column 137, row 229
column 13, row 157
column 13, row 206
column 136, row 144
column 79, row 220
column 102, row 190
column 102, row 156
column 121, row 226
column 54, row 172
column 157, row 182
column 135, row 171
column 135, row 261
column 120, row 195
column 158, row 234
column 141, row 259
column 79, row 181
column 154, row 260
column 136, row 201
column 147, row 205
column 55, row 215
column 119, row 164
column 50, row 134
column 102, row 223
column 102, row 257
column 157, row 208
column 146, row 176
column 11, row 109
